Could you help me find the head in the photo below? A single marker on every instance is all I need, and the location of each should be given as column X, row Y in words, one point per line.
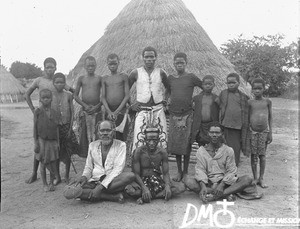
column 258, row 87
column 215, row 133
column 46, row 97
column 106, row 132
column 180, row 62
column 59, row 81
column 50, row 66
column 151, row 138
column 233, row 81
column 208, row 83
column 90, row 65
column 113, row 62
column 149, row 57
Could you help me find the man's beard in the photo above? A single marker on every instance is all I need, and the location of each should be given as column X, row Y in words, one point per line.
column 106, row 141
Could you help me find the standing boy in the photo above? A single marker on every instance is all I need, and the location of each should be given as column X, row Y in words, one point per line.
column 181, row 88
column 260, row 111
column 115, row 95
column 40, row 83
column 206, row 110
column 90, row 85
column 234, row 116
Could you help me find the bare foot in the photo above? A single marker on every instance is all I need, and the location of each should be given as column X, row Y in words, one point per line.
column 140, row 201
column 121, row 198
column 46, row 188
column 255, row 181
column 178, row 177
column 51, row 187
column 32, row 179
column 67, row 180
column 56, row 181
column 262, row 184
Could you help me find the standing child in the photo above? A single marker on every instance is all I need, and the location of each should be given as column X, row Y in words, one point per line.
column 234, row 116
column 63, row 104
column 260, row 110
column 115, row 95
column 90, row 86
column 206, row 110
column 40, row 83
column 45, row 133
column 181, row 88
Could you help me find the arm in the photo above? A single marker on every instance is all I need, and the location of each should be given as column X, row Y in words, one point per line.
column 132, row 77
column 69, row 88
column 197, row 81
column 76, row 94
column 29, row 92
column 166, row 175
column 231, row 169
column 200, row 168
column 35, row 132
column 136, row 168
column 109, row 112
column 118, row 167
column 70, row 100
column 96, row 107
column 270, row 138
column 88, row 169
column 126, row 97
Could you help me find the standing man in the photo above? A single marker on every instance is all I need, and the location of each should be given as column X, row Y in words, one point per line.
column 150, row 95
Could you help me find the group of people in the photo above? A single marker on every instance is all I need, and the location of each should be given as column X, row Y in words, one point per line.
column 222, row 126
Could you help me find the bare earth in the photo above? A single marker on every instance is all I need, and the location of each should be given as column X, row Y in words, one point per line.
column 28, row 206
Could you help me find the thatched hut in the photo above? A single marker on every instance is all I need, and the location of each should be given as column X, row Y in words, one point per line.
column 11, row 90
column 169, row 27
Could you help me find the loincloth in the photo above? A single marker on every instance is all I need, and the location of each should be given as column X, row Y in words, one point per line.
column 48, row 151
column 258, row 142
column 155, row 184
column 179, row 139
column 68, row 146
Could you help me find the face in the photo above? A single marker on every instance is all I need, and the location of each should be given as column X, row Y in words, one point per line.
column 113, row 64
column 59, row 84
column 257, row 89
column 152, row 140
column 90, row 66
column 215, row 134
column 149, row 59
column 46, row 98
column 208, row 85
column 50, row 69
column 105, row 132
column 180, row 64
column 232, row 83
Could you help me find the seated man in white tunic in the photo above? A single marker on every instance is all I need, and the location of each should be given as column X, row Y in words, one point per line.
column 103, row 177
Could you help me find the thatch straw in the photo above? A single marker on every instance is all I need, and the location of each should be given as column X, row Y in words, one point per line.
column 11, row 89
column 169, row 27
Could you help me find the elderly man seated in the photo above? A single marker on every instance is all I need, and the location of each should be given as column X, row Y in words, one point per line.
column 103, row 177
column 216, row 171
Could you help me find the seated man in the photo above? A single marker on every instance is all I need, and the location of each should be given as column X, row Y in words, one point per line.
column 102, row 178
column 216, row 171
column 151, row 183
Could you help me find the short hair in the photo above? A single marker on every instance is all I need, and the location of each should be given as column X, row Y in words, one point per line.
column 112, row 56
column 233, row 74
column 100, row 122
column 89, row 58
column 180, row 55
column 45, row 90
column 208, row 77
column 49, row 60
column 149, row 49
column 258, row 80
column 59, row 75
column 215, row 124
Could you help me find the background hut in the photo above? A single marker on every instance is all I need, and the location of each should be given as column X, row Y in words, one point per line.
column 169, row 27
column 11, row 89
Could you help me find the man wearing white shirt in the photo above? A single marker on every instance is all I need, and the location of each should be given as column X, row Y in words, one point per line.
column 103, row 177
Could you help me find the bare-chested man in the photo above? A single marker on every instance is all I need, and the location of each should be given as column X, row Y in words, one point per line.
column 206, row 110
column 90, row 85
column 115, row 95
column 260, row 114
column 150, row 94
column 148, row 161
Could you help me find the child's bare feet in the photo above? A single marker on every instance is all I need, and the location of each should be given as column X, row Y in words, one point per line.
column 56, row 181
column 51, row 187
column 121, row 198
column 32, row 179
column 67, row 180
column 178, row 177
column 140, row 201
column 46, row 188
column 255, row 181
column 262, row 184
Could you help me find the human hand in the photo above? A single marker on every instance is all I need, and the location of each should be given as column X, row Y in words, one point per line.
column 36, row 147
column 167, row 192
column 146, row 195
column 136, row 107
column 202, row 194
column 269, row 138
column 82, row 181
column 88, row 108
column 218, row 191
column 111, row 116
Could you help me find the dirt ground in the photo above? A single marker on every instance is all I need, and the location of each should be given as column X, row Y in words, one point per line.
column 28, row 206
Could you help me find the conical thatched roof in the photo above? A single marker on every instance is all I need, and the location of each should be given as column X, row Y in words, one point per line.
column 169, row 27
column 10, row 88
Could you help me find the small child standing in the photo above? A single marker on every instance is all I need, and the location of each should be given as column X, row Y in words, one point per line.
column 63, row 104
column 45, row 133
column 260, row 110
column 206, row 110
column 115, row 95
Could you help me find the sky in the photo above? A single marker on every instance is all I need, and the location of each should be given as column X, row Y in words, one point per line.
column 32, row 30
